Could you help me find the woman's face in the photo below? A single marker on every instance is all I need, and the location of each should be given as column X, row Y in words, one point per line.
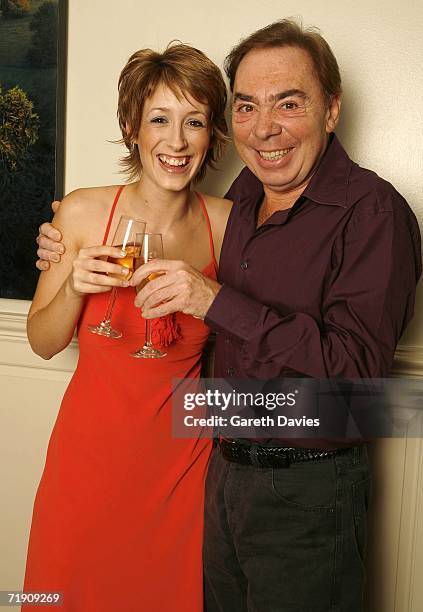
column 173, row 139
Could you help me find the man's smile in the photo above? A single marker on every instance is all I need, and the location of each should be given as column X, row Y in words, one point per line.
column 274, row 155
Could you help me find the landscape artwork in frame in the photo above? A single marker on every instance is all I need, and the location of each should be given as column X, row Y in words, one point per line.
column 32, row 96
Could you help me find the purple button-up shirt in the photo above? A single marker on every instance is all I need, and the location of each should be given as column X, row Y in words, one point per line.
column 324, row 289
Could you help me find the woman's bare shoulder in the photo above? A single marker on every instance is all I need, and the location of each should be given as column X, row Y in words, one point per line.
column 218, row 210
column 83, row 211
column 88, row 200
column 219, row 204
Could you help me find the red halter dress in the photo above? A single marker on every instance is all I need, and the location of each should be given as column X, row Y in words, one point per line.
column 118, row 516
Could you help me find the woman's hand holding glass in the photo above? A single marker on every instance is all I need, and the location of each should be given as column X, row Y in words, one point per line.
column 92, row 273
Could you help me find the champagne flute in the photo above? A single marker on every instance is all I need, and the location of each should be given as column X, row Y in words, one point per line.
column 128, row 236
column 152, row 248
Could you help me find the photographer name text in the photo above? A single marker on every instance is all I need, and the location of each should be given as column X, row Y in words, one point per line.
column 237, row 421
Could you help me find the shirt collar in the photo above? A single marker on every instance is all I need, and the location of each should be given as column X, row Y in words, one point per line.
column 329, row 184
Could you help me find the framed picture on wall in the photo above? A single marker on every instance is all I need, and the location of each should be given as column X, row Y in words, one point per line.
column 33, row 45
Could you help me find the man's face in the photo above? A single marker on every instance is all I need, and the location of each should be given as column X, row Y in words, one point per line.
column 279, row 117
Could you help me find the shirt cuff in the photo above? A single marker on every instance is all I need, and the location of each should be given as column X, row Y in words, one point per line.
column 233, row 313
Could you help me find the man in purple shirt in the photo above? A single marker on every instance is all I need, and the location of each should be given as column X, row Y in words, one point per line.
column 317, row 278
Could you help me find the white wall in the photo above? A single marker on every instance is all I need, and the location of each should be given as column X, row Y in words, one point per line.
column 378, row 46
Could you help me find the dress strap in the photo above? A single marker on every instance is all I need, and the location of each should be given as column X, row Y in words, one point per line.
column 112, row 211
column 206, row 216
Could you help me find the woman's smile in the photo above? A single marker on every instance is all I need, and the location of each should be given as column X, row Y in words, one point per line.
column 174, row 164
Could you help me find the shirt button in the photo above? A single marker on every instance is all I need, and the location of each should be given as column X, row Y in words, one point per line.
column 230, row 371
column 227, row 341
column 244, row 265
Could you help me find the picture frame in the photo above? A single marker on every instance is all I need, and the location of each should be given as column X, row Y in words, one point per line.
column 33, row 52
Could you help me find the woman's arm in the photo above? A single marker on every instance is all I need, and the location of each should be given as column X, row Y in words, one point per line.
column 61, row 291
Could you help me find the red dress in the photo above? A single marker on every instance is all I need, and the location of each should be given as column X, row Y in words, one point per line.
column 118, row 516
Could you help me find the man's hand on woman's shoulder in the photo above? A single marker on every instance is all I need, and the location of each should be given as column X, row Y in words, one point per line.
column 49, row 243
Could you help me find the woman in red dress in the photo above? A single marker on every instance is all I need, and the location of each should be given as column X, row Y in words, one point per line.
column 118, row 515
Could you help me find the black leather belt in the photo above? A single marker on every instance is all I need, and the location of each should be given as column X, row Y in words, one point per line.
column 260, row 455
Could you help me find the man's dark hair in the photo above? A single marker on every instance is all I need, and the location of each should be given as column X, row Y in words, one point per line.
column 287, row 33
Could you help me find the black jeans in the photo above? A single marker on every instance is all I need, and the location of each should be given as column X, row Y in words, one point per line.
column 286, row 539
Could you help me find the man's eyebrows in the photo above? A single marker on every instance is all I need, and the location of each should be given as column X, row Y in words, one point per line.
column 279, row 96
column 290, row 92
column 244, row 97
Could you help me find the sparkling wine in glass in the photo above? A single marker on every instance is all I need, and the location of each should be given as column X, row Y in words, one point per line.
column 152, row 248
column 128, row 236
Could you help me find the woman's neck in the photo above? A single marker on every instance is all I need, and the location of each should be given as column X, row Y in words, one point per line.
column 160, row 208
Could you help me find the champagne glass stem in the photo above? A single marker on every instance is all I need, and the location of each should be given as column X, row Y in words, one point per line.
column 148, row 350
column 148, row 331
column 108, row 316
column 105, row 327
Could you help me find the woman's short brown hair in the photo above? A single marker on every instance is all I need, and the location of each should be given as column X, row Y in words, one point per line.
column 287, row 33
column 185, row 71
